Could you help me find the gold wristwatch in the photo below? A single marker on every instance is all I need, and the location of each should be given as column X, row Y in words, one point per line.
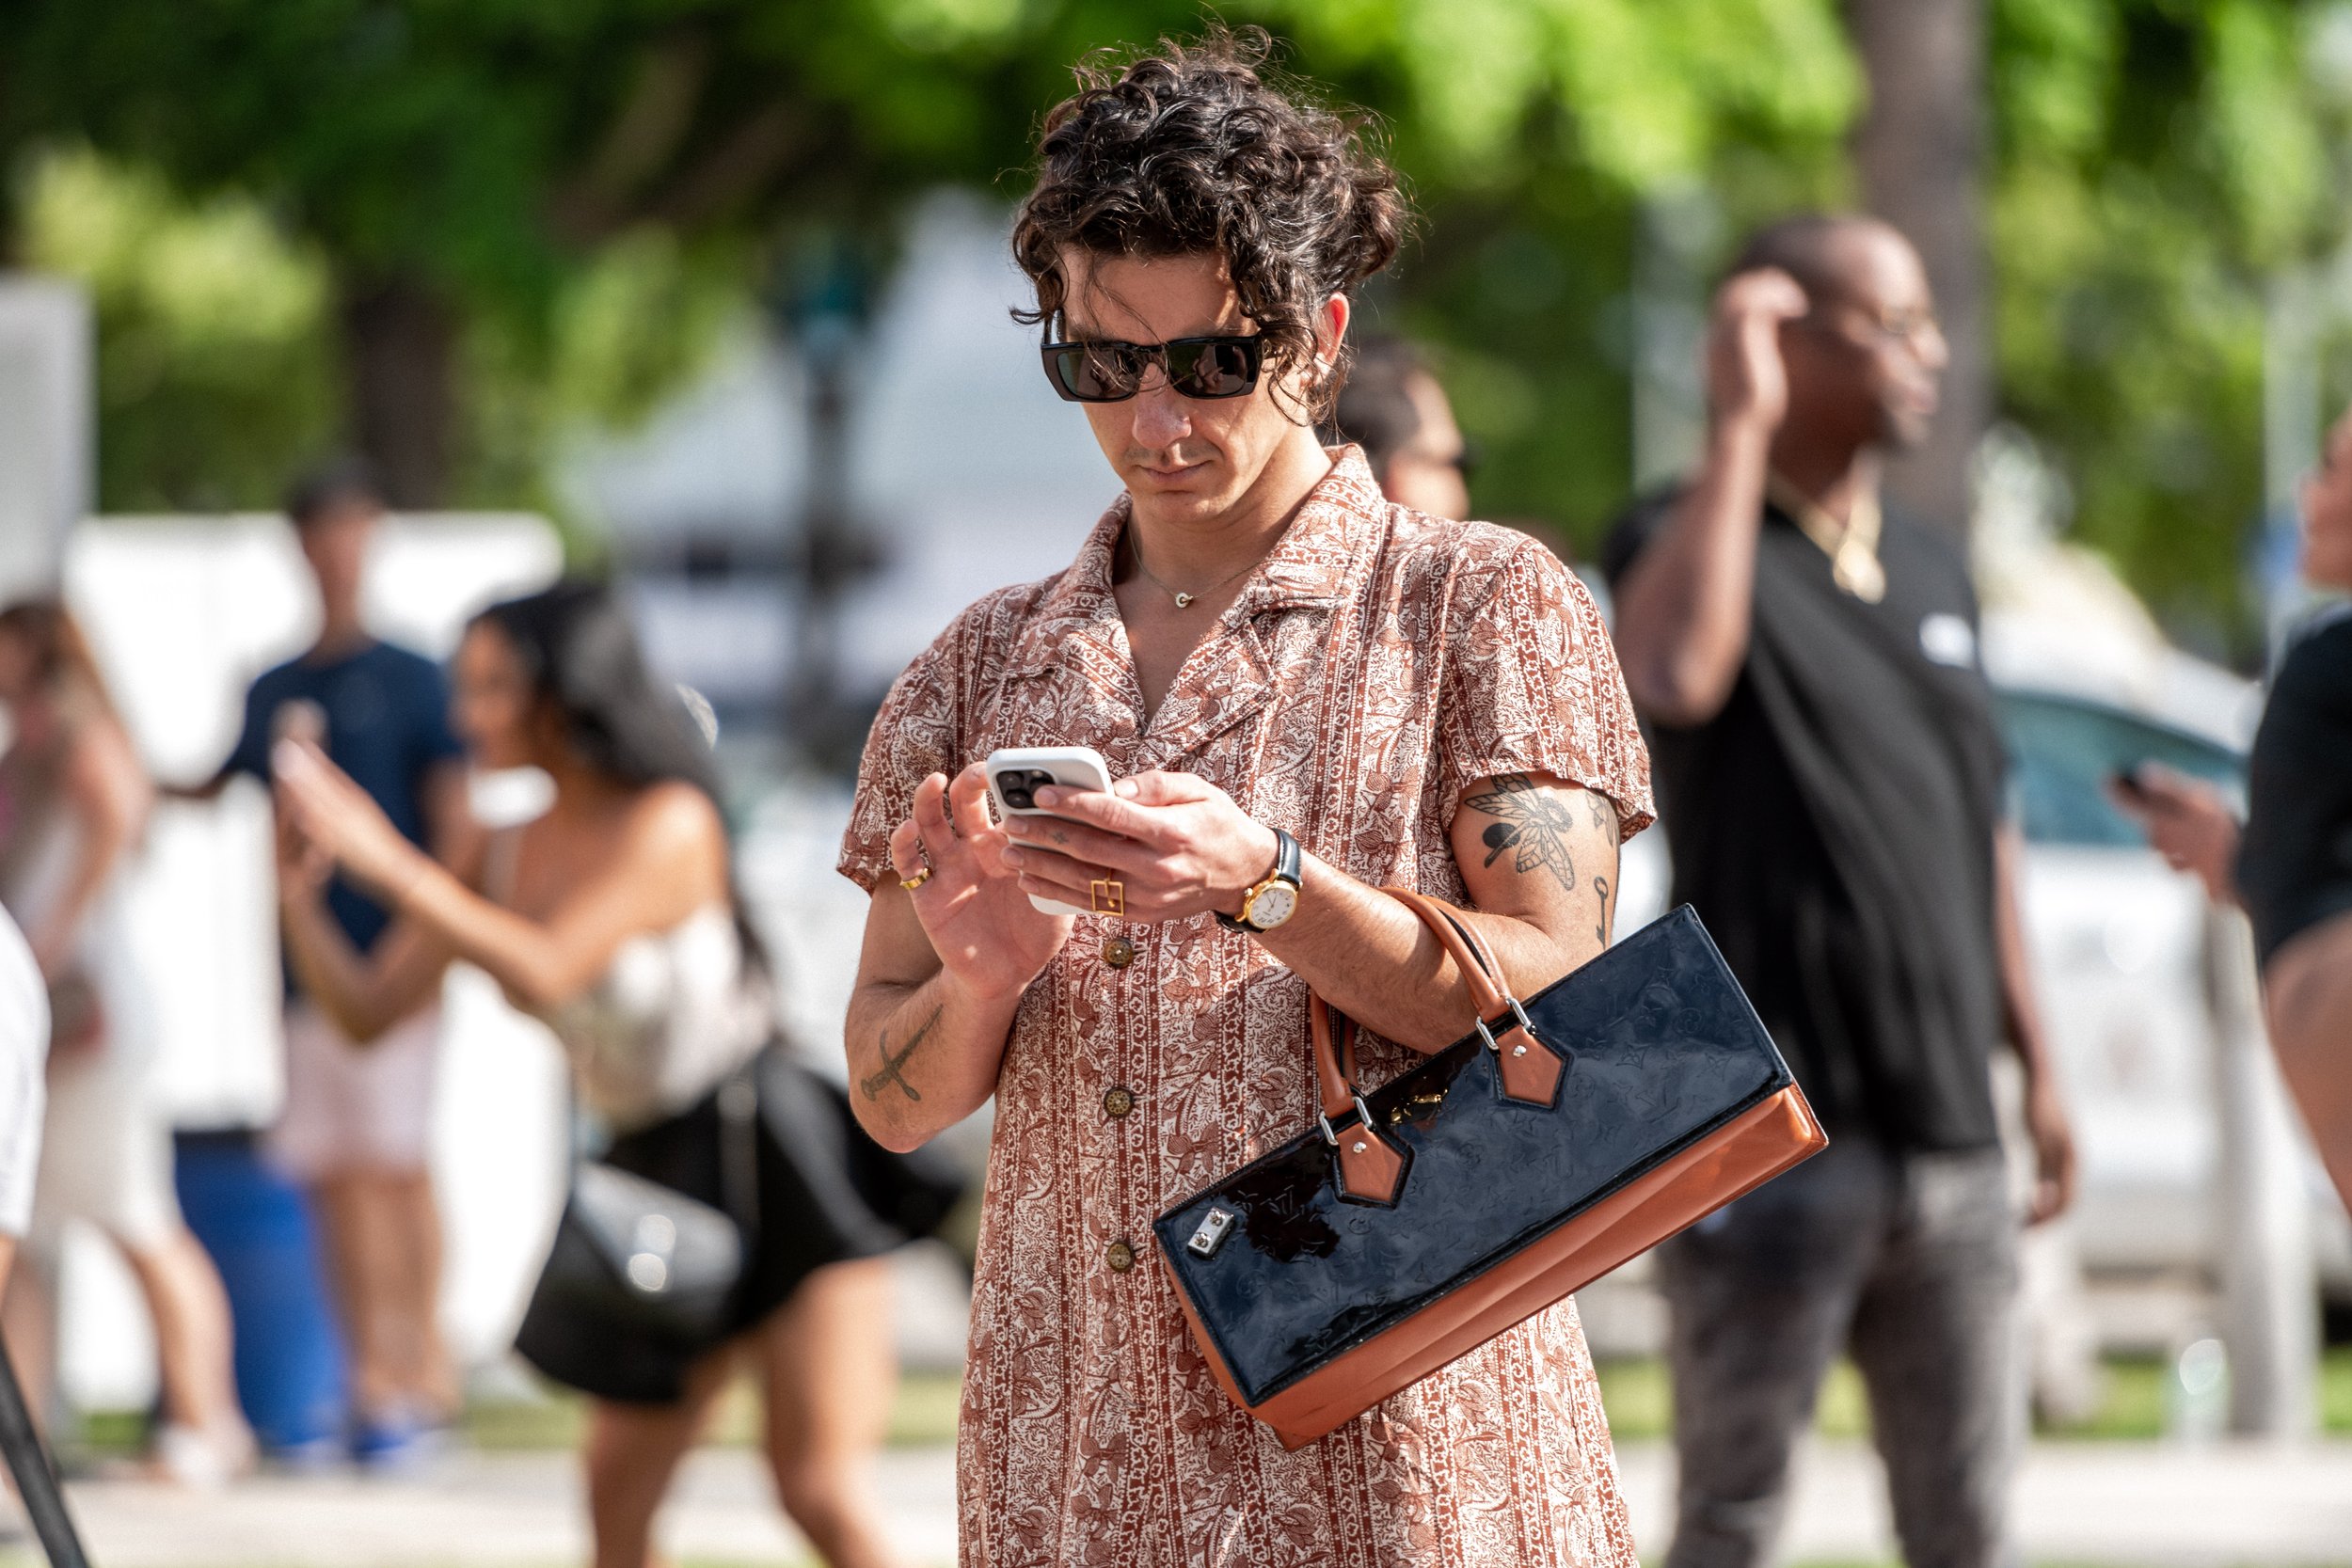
column 1274, row 899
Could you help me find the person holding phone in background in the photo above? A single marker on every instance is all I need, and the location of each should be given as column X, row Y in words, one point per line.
column 612, row 917
column 357, row 1127
column 2290, row 863
column 1830, row 775
column 1301, row 692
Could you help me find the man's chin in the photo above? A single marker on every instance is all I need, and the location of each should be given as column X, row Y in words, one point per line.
column 1178, row 504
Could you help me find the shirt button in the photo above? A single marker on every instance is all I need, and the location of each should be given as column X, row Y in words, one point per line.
column 1119, row 1255
column 1117, row 1102
column 1118, row 952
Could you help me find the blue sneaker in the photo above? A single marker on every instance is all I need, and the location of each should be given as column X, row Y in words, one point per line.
column 397, row 1440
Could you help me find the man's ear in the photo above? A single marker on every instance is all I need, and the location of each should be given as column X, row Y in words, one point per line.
column 1331, row 330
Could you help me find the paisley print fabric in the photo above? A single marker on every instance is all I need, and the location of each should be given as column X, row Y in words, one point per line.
column 1376, row 664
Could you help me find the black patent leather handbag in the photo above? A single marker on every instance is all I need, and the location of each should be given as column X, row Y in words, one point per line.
column 1561, row 1136
column 634, row 1257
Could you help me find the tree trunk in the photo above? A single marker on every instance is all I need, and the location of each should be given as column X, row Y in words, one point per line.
column 1920, row 150
column 399, row 346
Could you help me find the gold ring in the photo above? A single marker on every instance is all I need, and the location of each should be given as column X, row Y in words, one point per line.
column 1107, row 896
column 910, row 883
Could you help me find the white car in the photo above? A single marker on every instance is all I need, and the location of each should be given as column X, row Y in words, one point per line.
column 2120, row 942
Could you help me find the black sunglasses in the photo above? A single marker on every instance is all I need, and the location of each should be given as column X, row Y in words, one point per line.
column 1107, row 370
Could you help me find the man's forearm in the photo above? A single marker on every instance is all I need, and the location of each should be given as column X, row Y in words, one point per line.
column 1369, row 956
column 1684, row 606
column 2021, row 1014
column 923, row 1056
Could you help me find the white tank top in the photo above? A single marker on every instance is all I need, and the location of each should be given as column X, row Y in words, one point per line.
column 674, row 1013
column 677, row 1011
column 103, row 948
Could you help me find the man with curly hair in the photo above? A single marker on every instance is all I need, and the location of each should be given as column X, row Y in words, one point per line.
column 1304, row 692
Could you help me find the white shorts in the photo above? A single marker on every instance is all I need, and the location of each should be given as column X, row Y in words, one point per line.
column 357, row 1107
column 105, row 1157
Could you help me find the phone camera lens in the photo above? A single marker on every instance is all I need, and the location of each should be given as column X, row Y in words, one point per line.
column 1014, row 787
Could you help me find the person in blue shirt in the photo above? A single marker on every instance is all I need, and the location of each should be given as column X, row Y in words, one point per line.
column 357, row 1124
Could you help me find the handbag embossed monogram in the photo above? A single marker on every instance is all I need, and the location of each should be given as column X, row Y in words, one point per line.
column 1561, row 1136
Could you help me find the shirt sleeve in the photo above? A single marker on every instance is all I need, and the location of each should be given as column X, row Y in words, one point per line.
column 2295, row 865
column 914, row 735
column 1533, row 686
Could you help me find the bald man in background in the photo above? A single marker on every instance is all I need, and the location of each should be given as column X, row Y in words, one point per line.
column 1830, row 777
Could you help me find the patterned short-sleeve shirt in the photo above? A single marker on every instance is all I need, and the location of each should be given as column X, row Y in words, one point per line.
column 1377, row 663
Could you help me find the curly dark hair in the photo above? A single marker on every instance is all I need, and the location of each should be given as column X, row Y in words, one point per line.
column 1190, row 150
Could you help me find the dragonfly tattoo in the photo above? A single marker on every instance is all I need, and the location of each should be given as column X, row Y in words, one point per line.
column 1531, row 825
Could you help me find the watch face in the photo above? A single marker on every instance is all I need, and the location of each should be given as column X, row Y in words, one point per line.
column 1273, row 904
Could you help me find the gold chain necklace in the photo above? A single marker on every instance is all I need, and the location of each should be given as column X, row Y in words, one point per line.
column 1183, row 600
column 1852, row 546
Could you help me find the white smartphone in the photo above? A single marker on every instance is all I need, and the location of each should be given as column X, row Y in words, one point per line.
column 1016, row 773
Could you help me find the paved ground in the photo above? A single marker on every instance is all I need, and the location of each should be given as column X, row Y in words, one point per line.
column 2146, row 1506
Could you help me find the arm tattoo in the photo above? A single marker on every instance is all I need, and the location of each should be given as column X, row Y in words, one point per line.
column 1600, row 932
column 1529, row 821
column 892, row 1068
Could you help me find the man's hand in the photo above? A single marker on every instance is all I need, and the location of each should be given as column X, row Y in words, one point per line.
column 2053, row 1139
column 1684, row 605
column 1747, row 382
column 988, row 935
column 2190, row 822
column 1177, row 845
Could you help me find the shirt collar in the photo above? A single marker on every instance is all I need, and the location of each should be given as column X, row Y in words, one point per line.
column 1327, row 548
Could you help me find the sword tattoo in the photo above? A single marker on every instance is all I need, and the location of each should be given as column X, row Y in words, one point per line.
column 892, row 1068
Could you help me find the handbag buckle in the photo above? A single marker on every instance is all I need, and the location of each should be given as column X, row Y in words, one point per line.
column 1211, row 1233
column 1363, row 1118
column 1519, row 1015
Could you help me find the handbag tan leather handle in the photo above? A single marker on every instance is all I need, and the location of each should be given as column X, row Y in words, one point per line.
column 1370, row 1163
column 1530, row 1070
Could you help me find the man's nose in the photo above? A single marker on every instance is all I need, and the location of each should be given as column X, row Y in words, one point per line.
column 1163, row 417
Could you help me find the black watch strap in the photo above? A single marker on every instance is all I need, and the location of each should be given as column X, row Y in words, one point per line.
column 1290, row 864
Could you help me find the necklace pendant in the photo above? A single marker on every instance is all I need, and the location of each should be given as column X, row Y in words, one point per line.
column 1184, row 601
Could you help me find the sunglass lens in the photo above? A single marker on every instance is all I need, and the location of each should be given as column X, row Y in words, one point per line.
column 1220, row 369
column 1089, row 374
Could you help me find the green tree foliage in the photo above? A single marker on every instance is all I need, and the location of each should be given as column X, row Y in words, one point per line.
column 213, row 379
column 495, row 151
column 594, row 185
column 2157, row 163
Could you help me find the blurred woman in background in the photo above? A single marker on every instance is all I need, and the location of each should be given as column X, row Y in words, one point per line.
column 613, row 916
column 73, row 802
